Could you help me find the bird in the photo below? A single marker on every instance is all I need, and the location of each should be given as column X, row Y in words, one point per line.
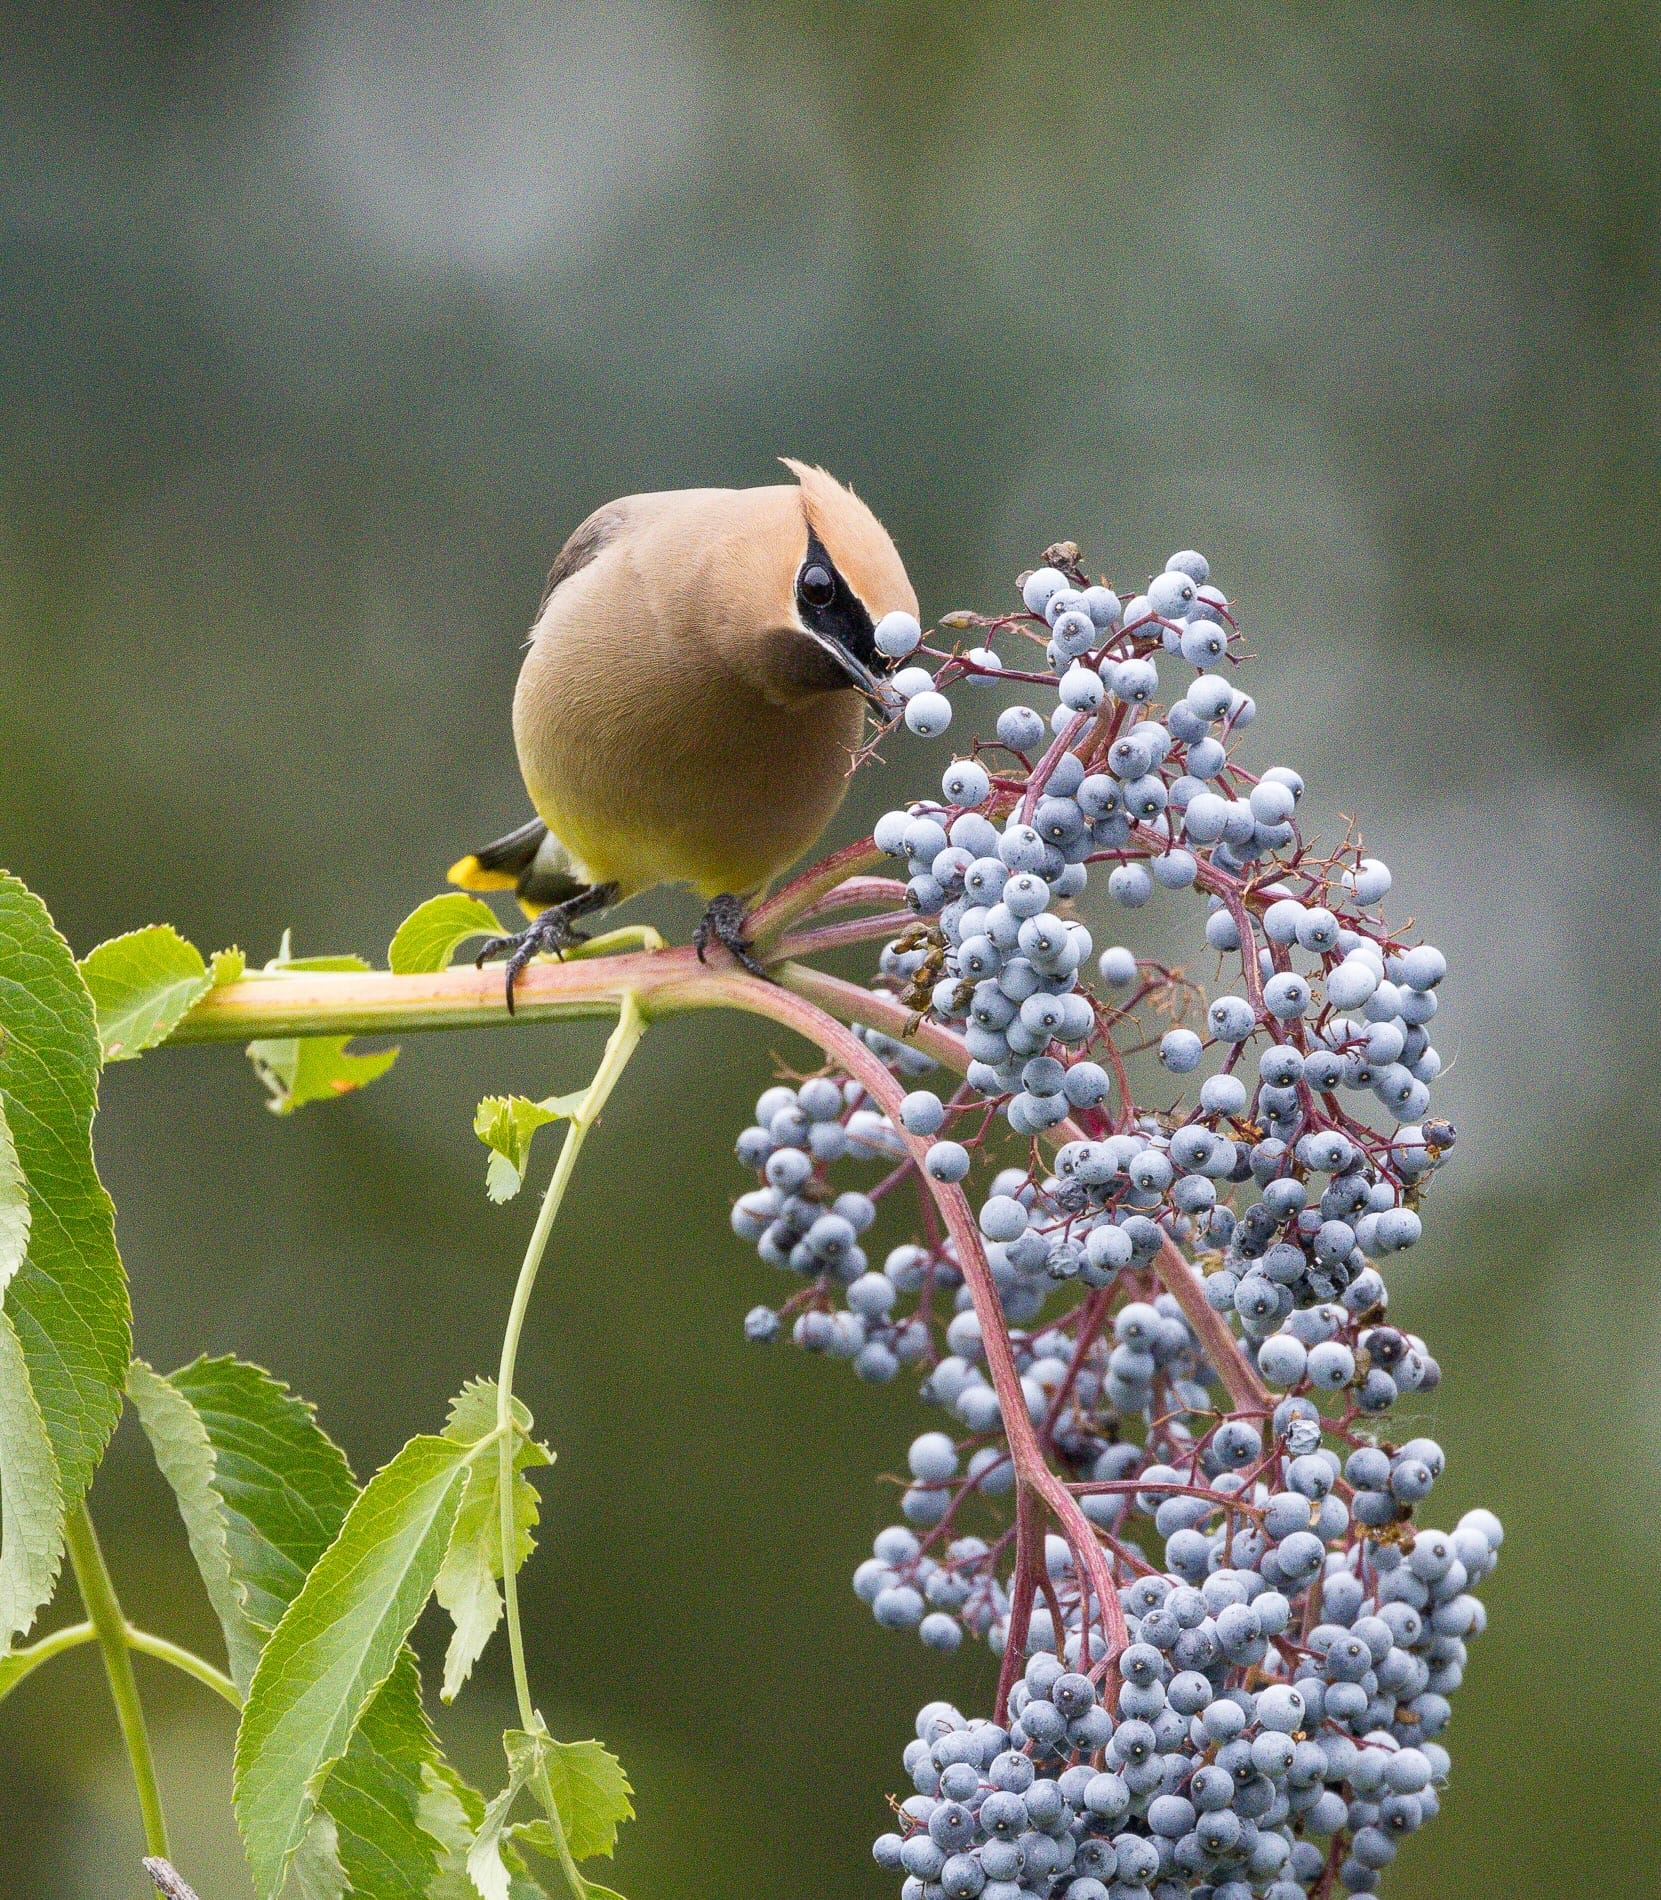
column 692, row 697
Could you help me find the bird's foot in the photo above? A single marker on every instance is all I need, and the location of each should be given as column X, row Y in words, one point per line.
column 551, row 934
column 723, row 923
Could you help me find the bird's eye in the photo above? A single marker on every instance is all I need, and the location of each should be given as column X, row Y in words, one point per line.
column 815, row 585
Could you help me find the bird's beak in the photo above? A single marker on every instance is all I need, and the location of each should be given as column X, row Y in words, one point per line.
column 876, row 691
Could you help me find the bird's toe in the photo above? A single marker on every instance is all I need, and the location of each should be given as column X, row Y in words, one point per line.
column 723, row 923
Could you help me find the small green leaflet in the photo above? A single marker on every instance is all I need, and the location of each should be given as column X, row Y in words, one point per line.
column 338, row 1642
column 467, row 1582
column 141, row 985
column 301, row 1069
column 451, row 1812
column 31, row 1504
column 506, row 1124
column 68, row 1300
column 14, row 1206
column 431, row 934
column 590, row 1794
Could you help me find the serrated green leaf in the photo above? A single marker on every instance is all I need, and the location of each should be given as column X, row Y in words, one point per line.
column 141, row 985
column 506, row 1124
column 467, row 1582
column 472, row 1412
column 186, row 1458
column 262, row 1488
column 301, row 1069
column 68, row 1300
column 432, row 933
column 592, row 1794
column 226, row 966
column 374, row 1794
column 264, row 1491
column 14, row 1206
column 297, row 1070
column 486, row 1866
column 315, row 1872
column 31, row 1502
column 451, row 1812
column 338, row 1641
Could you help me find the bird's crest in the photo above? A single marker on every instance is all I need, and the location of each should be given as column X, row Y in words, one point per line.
column 855, row 539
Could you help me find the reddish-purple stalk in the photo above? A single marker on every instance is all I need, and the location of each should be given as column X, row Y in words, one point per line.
column 1033, row 1476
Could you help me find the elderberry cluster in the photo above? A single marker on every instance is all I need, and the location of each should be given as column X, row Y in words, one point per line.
column 1228, row 1674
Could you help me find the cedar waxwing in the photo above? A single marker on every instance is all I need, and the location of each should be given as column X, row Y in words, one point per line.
column 693, row 695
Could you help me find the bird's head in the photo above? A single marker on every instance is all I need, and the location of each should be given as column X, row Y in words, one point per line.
column 845, row 574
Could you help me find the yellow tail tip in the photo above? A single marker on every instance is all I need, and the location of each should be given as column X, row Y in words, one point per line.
column 471, row 875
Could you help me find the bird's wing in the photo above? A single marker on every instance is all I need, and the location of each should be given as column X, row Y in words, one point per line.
column 585, row 542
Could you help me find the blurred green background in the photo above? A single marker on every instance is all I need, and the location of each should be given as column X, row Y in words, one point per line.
column 321, row 325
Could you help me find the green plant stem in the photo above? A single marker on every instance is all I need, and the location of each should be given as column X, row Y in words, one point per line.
column 187, row 1662
column 92, row 1577
column 283, row 1003
column 631, row 1026
column 22, row 1663
column 573, row 1873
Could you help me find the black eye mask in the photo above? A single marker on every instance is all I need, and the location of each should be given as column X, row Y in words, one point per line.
column 835, row 614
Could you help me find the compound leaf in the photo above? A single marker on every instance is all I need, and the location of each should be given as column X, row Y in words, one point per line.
column 337, row 1643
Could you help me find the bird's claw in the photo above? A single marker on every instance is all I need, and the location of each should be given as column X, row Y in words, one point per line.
column 551, row 934
column 723, row 923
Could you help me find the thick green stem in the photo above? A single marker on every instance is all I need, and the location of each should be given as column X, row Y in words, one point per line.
column 283, row 1003
column 92, row 1576
column 631, row 1026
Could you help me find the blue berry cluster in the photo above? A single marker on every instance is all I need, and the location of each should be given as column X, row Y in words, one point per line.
column 1182, row 1194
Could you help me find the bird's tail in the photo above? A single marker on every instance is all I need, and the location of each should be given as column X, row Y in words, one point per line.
column 530, row 862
